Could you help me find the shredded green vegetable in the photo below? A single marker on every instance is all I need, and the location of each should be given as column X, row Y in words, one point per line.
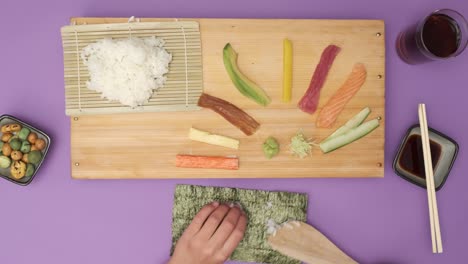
column 300, row 145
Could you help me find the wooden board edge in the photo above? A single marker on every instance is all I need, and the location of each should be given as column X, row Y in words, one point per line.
column 147, row 19
column 227, row 177
column 123, row 19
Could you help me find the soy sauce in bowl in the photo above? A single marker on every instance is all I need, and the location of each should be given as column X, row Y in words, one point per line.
column 412, row 158
column 409, row 160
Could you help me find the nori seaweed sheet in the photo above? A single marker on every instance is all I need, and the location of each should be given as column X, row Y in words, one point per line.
column 259, row 207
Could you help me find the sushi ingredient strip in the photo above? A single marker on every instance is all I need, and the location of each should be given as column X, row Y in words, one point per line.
column 310, row 100
column 230, row 112
column 342, row 96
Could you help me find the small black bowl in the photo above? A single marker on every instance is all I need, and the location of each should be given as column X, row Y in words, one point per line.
column 449, row 151
column 5, row 173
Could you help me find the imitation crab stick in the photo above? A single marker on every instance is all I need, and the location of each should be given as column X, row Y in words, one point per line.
column 207, row 162
column 337, row 102
column 287, row 70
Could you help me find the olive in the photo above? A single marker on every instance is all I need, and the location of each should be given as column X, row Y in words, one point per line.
column 29, row 170
column 5, row 162
column 25, row 147
column 35, row 156
column 24, row 133
column 15, row 144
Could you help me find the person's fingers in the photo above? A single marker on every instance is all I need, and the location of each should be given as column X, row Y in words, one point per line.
column 235, row 238
column 226, row 227
column 199, row 220
column 213, row 222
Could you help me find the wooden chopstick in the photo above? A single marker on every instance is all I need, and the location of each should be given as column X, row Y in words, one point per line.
column 431, row 195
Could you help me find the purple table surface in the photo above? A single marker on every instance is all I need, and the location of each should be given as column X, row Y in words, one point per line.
column 60, row 220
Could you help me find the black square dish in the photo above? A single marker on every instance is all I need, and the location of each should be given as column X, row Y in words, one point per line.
column 409, row 164
column 25, row 140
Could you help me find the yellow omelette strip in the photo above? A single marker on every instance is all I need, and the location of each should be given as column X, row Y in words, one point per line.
column 213, row 139
column 287, row 70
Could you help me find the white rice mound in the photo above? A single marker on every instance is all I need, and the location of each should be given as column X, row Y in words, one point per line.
column 126, row 70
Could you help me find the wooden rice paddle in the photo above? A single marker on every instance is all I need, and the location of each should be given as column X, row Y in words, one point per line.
column 305, row 243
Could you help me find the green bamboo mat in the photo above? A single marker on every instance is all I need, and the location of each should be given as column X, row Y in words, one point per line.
column 260, row 206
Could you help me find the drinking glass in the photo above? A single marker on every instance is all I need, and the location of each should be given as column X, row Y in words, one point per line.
column 441, row 35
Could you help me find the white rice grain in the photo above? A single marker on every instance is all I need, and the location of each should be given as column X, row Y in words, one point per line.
column 126, row 70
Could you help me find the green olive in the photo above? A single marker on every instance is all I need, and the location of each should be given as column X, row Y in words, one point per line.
column 15, row 144
column 5, row 162
column 25, row 147
column 24, row 133
column 34, row 156
column 29, row 170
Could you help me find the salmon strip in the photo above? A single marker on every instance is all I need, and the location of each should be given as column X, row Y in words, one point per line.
column 207, row 162
column 337, row 102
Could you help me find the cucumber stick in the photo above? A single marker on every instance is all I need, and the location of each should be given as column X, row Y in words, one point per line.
column 355, row 121
column 349, row 137
column 242, row 83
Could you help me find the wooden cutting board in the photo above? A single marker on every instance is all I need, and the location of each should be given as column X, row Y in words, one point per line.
column 144, row 145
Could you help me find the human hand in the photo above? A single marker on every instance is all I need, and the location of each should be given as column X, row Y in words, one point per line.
column 212, row 236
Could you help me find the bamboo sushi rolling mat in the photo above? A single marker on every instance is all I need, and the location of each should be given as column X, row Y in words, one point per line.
column 184, row 80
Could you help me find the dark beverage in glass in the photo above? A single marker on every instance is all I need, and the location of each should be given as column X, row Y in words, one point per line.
column 441, row 35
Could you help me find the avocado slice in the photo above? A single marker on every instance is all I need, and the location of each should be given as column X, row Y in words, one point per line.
column 247, row 87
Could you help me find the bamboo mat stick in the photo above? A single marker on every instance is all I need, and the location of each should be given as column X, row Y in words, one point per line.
column 431, row 195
